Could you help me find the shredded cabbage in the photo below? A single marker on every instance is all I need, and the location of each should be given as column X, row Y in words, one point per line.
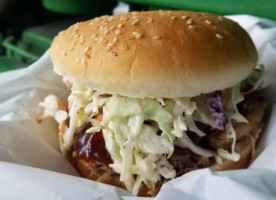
column 192, row 126
column 185, row 142
column 229, row 156
column 51, row 109
column 149, row 142
column 120, row 109
column 140, row 147
column 255, row 80
column 202, row 113
column 140, row 134
column 214, row 104
column 233, row 97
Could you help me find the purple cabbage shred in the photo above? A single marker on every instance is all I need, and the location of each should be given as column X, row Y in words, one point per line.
column 215, row 107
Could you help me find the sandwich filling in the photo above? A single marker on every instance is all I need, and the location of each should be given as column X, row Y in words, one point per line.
column 139, row 139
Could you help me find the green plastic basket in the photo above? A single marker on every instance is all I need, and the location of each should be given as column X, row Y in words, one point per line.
column 80, row 7
column 261, row 8
column 7, row 64
column 22, row 50
column 18, row 54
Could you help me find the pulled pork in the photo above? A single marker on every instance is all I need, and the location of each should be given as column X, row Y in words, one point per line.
column 183, row 160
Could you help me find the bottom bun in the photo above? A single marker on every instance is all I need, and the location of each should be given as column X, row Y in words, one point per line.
column 246, row 149
column 87, row 170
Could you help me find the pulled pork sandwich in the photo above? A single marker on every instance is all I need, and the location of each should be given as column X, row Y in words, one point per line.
column 155, row 95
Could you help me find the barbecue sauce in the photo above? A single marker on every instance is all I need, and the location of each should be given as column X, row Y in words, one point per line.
column 91, row 147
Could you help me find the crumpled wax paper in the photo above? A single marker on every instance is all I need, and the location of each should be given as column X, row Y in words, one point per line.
column 31, row 166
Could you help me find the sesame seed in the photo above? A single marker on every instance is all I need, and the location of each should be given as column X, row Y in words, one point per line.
column 137, row 34
column 149, row 20
column 77, row 60
column 108, row 48
column 115, row 40
column 173, row 18
column 184, row 17
column 117, row 32
column 101, row 28
column 110, row 18
column 93, row 35
column 220, row 18
column 111, row 28
column 73, row 44
column 71, row 48
column 156, row 37
column 124, row 47
column 189, row 21
column 75, row 36
column 208, row 22
column 81, row 41
column 97, row 19
column 82, row 60
column 134, row 22
column 105, row 31
column 104, row 22
column 161, row 13
column 191, row 26
column 96, row 38
column 120, row 25
column 91, row 23
column 114, row 53
column 86, row 49
column 169, row 11
column 134, row 13
column 123, row 19
column 110, row 44
column 81, row 36
column 219, row 36
column 64, row 53
column 135, row 17
column 101, row 39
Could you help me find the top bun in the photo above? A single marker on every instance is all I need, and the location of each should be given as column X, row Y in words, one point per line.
column 157, row 54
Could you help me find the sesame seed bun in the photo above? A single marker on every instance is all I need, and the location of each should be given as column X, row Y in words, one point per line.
column 155, row 54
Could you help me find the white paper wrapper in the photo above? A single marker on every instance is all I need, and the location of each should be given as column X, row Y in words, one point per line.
column 31, row 166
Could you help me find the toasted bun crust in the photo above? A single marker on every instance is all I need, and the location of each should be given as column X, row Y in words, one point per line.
column 155, row 54
column 244, row 148
column 85, row 169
